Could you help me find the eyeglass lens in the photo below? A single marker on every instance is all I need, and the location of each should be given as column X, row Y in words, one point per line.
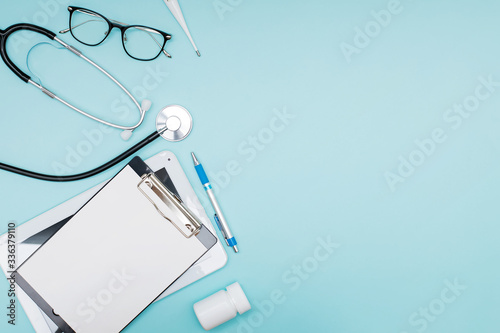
column 88, row 27
column 143, row 43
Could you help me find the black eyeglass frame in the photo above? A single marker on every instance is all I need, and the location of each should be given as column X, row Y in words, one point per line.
column 122, row 27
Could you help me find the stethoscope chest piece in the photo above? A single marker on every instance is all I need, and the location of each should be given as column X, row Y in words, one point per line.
column 177, row 120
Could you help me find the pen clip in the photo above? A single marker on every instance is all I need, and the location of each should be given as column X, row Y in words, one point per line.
column 222, row 230
column 169, row 206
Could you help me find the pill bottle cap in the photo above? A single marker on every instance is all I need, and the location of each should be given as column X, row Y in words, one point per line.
column 238, row 297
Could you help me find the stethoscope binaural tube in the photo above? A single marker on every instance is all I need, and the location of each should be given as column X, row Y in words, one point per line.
column 4, row 35
column 69, row 178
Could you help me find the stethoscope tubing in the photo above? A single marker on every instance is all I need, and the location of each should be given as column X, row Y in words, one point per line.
column 69, row 178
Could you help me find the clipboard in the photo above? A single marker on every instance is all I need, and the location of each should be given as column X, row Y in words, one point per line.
column 31, row 234
column 105, row 259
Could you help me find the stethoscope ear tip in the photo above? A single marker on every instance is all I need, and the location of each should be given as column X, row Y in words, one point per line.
column 145, row 105
column 126, row 134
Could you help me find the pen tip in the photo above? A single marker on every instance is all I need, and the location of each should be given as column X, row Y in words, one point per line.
column 195, row 160
column 198, row 53
column 235, row 249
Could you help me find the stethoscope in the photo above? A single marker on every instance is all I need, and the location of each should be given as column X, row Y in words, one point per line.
column 4, row 35
column 173, row 123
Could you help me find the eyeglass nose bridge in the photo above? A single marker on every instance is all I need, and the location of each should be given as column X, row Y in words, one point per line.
column 116, row 24
column 119, row 25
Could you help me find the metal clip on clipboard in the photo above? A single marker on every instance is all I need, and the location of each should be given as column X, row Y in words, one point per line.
column 168, row 204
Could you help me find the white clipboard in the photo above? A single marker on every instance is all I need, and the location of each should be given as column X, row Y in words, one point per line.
column 31, row 234
column 98, row 253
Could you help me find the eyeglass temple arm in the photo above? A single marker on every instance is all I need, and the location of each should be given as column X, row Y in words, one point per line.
column 75, row 26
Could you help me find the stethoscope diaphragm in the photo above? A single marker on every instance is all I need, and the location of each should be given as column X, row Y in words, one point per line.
column 177, row 121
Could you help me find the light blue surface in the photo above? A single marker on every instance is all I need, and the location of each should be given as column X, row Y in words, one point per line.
column 319, row 176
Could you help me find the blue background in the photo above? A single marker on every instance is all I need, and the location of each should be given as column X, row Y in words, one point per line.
column 323, row 174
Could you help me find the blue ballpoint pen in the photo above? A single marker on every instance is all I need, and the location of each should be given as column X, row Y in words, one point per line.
column 219, row 218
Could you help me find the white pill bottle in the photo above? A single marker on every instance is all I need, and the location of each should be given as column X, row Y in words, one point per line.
column 221, row 306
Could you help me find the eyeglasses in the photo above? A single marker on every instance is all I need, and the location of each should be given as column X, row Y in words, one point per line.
column 139, row 42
